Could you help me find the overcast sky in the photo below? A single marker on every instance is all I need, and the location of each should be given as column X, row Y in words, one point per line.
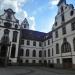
column 40, row 13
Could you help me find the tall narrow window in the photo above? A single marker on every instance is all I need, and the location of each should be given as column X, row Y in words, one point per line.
column 48, row 42
column 74, row 44
column 48, row 52
column 34, row 43
column 63, row 19
column 52, row 51
column 62, row 9
column 72, row 12
column 45, row 53
column 40, row 44
column 28, row 42
column 15, row 33
column 56, row 34
column 27, row 52
column 64, row 30
column 57, row 48
column 34, row 53
column 13, row 49
column 40, row 53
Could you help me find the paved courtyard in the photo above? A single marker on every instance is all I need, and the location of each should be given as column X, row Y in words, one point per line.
column 34, row 71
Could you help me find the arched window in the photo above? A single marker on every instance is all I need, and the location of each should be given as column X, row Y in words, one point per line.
column 40, row 53
column 27, row 52
column 66, row 47
column 34, row 53
column 13, row 49
column 21, row 52
column 74, row 44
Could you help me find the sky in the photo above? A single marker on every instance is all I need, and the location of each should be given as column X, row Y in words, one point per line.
column 39, row 13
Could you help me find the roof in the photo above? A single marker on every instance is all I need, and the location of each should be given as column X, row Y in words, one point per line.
column 35, row 35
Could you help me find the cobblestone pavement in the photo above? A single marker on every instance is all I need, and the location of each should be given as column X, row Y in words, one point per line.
column 18, row 70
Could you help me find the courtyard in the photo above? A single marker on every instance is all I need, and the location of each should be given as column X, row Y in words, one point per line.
column 24, row 70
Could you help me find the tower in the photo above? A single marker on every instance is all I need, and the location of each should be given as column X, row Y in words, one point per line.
column 25, row 24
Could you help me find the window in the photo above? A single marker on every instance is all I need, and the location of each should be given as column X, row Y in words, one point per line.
column 57, row 48
column 34, row 43
column 56, row 34
column 40, row 61
column 34, row 53
column 40, row 53
column 40, row 44
column 74, row 44
column 49, row 61
column 48, row 42
column 13, row 49
column 27, row 52
column 45, row 53
column 71, row 13
column 33, row 61
column 62, row 9
column 44, row 43
column 64, row 30
column 48, row 52
column 66, row 47
column 7, row 25
column 21, row 52
column 27, row 61
column 16, row 26
column 52, row 51
column 73, row 26
column 55, row 23
column 58, row 61
column 63, row 19
column 15, row 33
column 6, row 31
column 22, row 42
column 28, row 42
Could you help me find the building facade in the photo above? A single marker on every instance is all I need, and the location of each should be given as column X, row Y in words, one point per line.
column 56, row 47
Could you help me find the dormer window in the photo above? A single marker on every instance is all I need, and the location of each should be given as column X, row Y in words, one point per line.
column 71, row 13
column 16, row 26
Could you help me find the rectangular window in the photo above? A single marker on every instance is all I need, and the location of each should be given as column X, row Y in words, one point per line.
column 56, row 34
column 64, row 30
column 57, row 48
column 44, row 43
column 45, row 53
column 28, row 42
column 73, row 26
column 58, row 61
column 22, row 42
column 52, row 51
column 40, row 44
column 63, row 19
column 48, row 52
column 15, row 33
column 34, row 43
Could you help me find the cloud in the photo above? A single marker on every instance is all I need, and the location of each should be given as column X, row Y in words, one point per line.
column 32, row 22
column 17, row 6
column 53, row 3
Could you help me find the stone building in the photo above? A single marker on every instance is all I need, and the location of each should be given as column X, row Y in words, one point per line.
column 56, row 47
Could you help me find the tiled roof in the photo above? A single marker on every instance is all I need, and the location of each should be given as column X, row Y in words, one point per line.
column 35, row 35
